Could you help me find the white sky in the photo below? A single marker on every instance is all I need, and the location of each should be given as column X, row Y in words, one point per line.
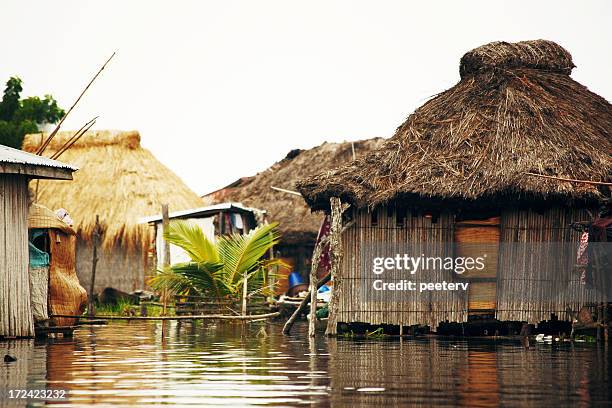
column 223, row 89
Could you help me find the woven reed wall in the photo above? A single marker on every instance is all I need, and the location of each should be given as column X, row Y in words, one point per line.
column 427, row 308
column 66, row 295
column 541, row 285
column 15, row 310
column 431, row 308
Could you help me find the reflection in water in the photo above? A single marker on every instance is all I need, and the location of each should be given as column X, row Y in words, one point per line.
column 235, row 364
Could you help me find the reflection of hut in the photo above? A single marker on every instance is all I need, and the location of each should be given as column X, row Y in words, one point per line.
column 214, row 220
column 297, row 224
column 53, row 277
column 119, row 181
column 456, row 171
column 16, row 168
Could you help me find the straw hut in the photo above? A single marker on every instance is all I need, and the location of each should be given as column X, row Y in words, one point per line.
column 297, row 224
column 53, row 280
column 457, row 171
column 121, row 182
column 16, row 168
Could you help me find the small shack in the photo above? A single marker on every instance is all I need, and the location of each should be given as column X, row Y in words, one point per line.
column 120, row 181
column 16, row 169
column 493, row 160
column 55, row 286
column 214, row 220
column 297, row 224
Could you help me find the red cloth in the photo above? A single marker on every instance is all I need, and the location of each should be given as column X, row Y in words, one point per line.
column 325, row 261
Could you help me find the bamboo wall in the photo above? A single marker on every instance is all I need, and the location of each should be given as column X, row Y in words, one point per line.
column 541, row 285
column 15, row 310
column 533, row 279
column 427, row 308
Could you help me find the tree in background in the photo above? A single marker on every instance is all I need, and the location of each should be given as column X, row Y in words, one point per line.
column 18, row 117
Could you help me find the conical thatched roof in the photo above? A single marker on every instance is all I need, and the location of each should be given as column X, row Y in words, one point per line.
column 516, row 110
column 118, row 180
column 296, row 222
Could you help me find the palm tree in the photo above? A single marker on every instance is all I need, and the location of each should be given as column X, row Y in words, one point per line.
column 218, row 268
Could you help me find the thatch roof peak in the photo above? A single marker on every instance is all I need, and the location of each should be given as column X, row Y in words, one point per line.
column 535, row 54
column 480, row 138
column 118, row 180
column 93, row 138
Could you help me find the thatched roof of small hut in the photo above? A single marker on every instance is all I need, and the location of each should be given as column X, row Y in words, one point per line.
column 118, row 180
column 296, row 222
column 515, row 111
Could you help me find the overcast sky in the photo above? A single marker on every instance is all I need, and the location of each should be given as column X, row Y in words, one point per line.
column 223, row 89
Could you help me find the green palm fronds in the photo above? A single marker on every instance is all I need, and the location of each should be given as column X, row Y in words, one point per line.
column 219, row 268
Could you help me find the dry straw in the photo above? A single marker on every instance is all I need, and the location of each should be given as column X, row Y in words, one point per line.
column 118, row 179
column 515, row 111
column 297, row 223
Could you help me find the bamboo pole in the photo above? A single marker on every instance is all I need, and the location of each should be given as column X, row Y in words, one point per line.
column 336, row 253
column 597, row 183
column 57, row 128
column 94, row 263
column 284, row 190
column 166, row 264
column 75, row 138
column 316, row 258
column 245, row 288
column 306, row 300
column 193, row 317
column 289, row 324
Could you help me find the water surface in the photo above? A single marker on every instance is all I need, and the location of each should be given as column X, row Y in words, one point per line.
column 150, row 363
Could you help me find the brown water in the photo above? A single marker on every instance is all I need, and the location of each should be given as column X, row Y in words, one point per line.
column 226, row 364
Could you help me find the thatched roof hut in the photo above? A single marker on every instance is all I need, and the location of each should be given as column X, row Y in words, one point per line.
column 296, row 222
column 121, row 182
column 515, row 111
column 458, row 176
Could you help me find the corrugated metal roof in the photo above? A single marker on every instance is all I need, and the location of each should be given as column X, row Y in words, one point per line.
column 202, row 212
column 10, row 155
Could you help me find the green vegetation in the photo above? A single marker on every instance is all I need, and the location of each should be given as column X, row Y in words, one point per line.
column 121, row 308
column 218, row 269
column 125, row 308
column 19, row 117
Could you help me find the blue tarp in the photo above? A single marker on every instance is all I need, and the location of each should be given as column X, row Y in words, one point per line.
column 38, row 258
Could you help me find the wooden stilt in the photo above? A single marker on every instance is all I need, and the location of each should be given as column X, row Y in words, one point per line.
column 94, row 263
column 165, row 226
column 245, row 287
column 289, row 324
column 335, row 246
column 316, row 257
